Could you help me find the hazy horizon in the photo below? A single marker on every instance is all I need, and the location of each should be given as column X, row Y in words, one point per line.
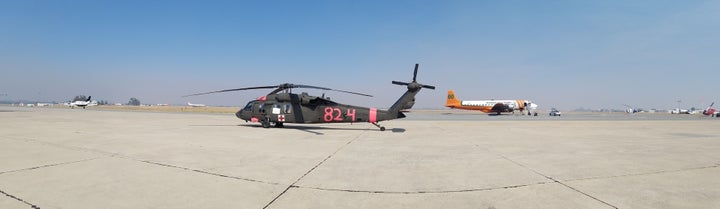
column 564, row 54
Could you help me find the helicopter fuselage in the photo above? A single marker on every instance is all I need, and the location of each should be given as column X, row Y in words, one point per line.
column 302, row 108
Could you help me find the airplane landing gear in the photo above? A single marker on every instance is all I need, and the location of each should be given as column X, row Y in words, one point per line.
column 382, row 128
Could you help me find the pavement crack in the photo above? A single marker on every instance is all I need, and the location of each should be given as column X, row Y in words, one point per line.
column 312, row 169
column 18, row 199
column 49, row 165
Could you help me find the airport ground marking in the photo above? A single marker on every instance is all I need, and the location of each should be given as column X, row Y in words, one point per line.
column 314, row 167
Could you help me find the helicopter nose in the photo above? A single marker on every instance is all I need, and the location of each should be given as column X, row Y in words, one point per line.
column 239, row 114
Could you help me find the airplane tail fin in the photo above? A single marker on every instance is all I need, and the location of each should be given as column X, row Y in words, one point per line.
column 452, row 101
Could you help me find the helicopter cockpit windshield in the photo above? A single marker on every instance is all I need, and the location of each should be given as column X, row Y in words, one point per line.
column 248, row 106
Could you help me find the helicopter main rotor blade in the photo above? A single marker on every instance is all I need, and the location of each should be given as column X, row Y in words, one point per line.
column 329, row 89
column 400, row 83
column 280, row 88
column 428, row 86
column 228, row 90
column 350, row 92
column 415, row 73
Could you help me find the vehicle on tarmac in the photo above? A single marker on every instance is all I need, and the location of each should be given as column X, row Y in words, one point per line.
column 555, row 112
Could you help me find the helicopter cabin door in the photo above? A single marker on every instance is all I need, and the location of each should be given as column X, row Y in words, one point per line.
column 282, row 112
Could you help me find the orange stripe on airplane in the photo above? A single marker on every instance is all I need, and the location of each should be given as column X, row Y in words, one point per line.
column 453, row 102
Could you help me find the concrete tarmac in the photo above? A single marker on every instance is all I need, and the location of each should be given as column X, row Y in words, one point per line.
column 74, row 158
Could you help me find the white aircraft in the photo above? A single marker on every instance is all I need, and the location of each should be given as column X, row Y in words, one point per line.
column 196, row 105
column 489, row 106
column 679, row 111
column 631, row 109
column 83, row 104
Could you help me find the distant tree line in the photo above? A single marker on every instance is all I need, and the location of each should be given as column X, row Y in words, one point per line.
column 134, row 102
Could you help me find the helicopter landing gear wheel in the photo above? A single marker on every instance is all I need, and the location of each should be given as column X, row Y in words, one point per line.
column 265, row 124
column 279, row 125
column 382, row 128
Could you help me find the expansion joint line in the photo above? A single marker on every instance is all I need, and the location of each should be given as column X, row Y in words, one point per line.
column 63, row 146
column 18, row 199
column 312, row 169
column 646, row 173
column 548, row 177
column 48, row 165
column 204, row 172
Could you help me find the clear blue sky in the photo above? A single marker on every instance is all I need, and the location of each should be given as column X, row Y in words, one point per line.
column 565, row 54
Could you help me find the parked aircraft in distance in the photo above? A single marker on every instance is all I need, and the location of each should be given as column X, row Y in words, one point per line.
column 82, row 104
column 489, row 106
column 631, row 110
column 711, row 111
column 679, row 111
column 196, row 105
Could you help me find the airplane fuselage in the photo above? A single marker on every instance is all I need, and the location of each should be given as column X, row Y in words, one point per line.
column 489, row 106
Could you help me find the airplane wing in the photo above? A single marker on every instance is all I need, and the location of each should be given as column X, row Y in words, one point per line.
column 500, row 107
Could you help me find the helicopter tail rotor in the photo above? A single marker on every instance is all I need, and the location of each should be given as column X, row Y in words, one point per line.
column 414, row 85
column 407, row 100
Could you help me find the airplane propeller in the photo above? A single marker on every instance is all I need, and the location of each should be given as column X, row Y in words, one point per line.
column 414, row 85
column 279, row 88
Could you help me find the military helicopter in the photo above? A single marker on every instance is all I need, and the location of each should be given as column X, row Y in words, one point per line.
column 279, row 108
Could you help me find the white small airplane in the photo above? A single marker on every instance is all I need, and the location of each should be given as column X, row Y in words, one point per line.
column 489, row 106
column 631, row 110
column 83, row 104
column 679, row 111
column 196, row 105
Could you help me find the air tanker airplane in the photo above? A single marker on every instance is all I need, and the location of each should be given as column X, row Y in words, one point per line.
column 489, row 106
